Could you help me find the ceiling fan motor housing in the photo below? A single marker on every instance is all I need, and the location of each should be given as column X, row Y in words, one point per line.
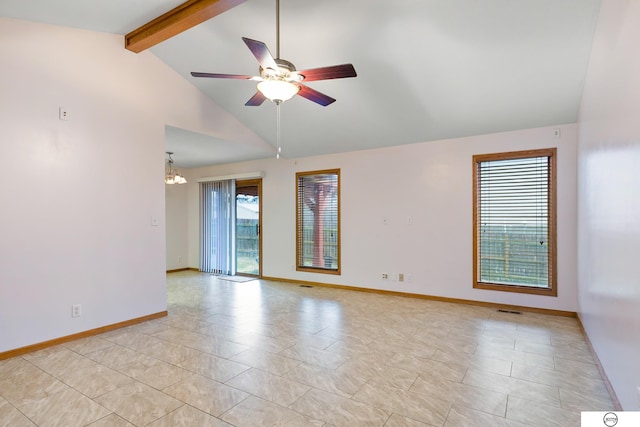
column 286, row 71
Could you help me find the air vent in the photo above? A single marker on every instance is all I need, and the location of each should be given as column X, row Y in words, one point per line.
column 509, row 311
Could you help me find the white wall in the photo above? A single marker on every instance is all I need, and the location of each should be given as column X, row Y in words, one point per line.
column 78, row 196
column 176, row 197
column 609, row 198
column 430, row 182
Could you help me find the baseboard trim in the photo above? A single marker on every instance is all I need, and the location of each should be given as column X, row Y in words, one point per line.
column 614, row 397
column 177, row 270
column 552, row 312
column 91, row 332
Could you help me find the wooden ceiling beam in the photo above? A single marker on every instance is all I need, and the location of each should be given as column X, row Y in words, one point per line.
column 177, row 20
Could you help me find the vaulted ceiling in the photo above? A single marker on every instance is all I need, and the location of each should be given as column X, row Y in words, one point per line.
column 427, row 70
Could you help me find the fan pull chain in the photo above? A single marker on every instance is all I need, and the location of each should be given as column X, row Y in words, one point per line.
column 278, row 146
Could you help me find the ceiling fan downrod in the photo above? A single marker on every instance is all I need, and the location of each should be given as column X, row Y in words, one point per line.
column 277, row 29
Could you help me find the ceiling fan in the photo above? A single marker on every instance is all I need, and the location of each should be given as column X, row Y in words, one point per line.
column 279, row 80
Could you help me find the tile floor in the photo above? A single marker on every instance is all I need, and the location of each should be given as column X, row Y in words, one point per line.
column 264, row 353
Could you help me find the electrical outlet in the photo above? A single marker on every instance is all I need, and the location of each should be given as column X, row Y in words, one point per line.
column 63, row 113
column 409, row 278
column 385, row 276
column 401, row 277
column 76, row 310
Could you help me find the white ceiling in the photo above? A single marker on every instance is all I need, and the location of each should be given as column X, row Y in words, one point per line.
column 427, row 70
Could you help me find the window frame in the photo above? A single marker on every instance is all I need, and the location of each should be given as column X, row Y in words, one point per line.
column 552, row 289
column 299, row 225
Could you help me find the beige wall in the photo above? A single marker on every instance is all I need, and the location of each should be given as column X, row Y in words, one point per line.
column 176, row 226
column 430, row 182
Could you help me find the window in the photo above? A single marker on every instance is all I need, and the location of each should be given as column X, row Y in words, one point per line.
column 318, row 221
column 514, row 215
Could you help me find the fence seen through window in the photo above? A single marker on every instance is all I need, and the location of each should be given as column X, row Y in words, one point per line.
column 318, row 221
column 514, row 217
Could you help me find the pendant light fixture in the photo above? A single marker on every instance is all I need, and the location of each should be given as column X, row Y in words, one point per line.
column 171, row 175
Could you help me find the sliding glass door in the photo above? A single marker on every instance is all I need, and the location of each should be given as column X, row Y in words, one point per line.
column 248, row 223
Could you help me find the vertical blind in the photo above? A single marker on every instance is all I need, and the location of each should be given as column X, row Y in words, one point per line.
column 217, row 227
column 317, row 220
column 513, row 221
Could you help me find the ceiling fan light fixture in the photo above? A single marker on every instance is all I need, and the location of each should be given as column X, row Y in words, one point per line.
column 278, row 90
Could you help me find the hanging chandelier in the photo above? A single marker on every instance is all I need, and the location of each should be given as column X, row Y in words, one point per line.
column 171, row 175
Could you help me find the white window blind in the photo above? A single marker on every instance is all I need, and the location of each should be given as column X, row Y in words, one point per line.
column 514, row 211
column 318, row 221
column 217, row 227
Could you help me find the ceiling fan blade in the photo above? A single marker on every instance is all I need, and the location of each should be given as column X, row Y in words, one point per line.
column 326, row 73
column 315, row 96
column 256, row 100
column 261, row 52
column 221, row 76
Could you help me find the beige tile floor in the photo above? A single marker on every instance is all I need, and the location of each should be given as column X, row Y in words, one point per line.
column 264, row 354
